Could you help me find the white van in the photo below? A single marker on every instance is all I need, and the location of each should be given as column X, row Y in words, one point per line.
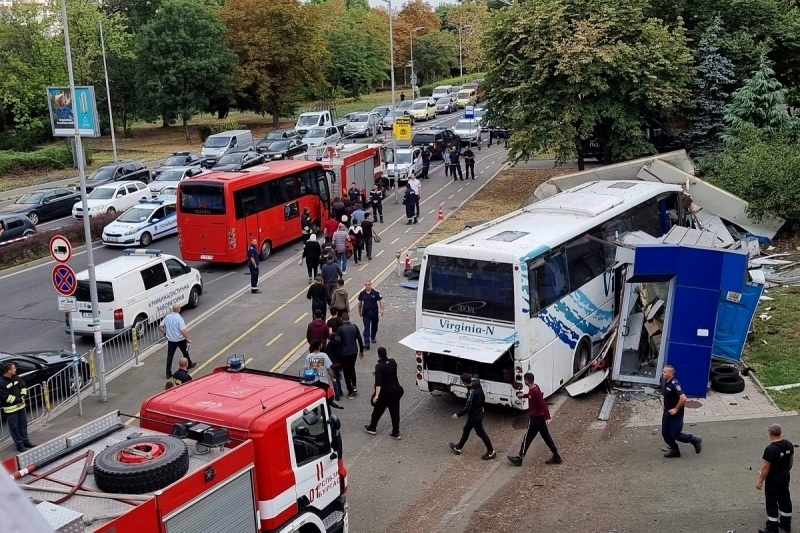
column 441, row 91
column 220, row 144
column 134, row 289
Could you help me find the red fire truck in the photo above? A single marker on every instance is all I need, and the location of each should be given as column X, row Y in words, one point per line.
column 235, row 451
column 364, row 164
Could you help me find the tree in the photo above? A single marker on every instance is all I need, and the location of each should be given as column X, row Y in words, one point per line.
column 183, row 60
column 435, row 55
column 280, row 49
column 414, row 14
column 715, row 76
column 563, row 72
column 470, row 16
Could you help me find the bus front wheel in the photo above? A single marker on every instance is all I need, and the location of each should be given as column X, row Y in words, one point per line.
column 266, row 250
column 583, row 356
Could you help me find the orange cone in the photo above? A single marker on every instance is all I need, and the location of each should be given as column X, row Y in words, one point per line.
column 408, row 262
column 441, row 213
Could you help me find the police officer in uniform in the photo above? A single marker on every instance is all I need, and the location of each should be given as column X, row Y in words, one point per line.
column 13, row 394
column 370, row 308
column 774, row 478
column 253, row 259
column 672, row 418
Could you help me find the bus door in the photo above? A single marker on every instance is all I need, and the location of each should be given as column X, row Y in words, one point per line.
column 325, row 193
column 247, row 200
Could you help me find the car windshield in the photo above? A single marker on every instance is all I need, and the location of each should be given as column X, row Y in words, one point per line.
column 405, row 103
column 103, row 173
column 30, row 198
column 168, row 191
column 465, row 125
column 174, row 161
column 403, row 158
column 135, row 215
column 277, row 134
column 316, row 132
column 380, row 110
column 419, row 105
column 395, row 114
column 443, row 101
column 170, row 175
column 308, row 120
column 363, row 117
column 217, row 142
column 463, row 95
column 456, row 88
column 102, row 193
column 230, row 159
column 278, row 146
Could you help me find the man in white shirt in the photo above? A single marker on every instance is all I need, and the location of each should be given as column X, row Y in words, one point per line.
column 174, row 328
column 416, row 186
column 320, row 363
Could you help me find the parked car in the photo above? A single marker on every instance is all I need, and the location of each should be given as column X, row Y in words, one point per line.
column 123, row 170
column 168, row 194
column 454, row 89
column 38, row 366
column 44, row 204
column 142, row 224
column 388, row 120
column 283, row 149
column 446, row 104
column 466, row 97
column 407, row 161
column 238, row 160
column 322, row 136
column 15, row 227
column 219, row 144
column 468, row 130
column 113, row 197
column 405, row 105
column 436, row 140
column 382, row 110
column 366, row 124
column 181, row 159
column 173, row 175
column 423, row 110
column 277, row 135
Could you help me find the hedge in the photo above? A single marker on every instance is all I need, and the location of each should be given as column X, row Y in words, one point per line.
column 427, row 90
column 38, row 246
column 218, row 127
column 46, row 158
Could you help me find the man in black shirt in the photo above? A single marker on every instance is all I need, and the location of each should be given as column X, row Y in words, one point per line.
column 182, row 375
column 672, row 418
column 774, row 477
column 455, row 163
column 473, row 410
column 367, row 230
column 469, row 161
column 376, row 199
column 319, row 296
column 352, row 347
column 426, row 163
column 333, row 349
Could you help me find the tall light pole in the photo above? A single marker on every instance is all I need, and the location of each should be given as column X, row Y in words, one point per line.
column 108, row 94
column 87, row 231
column 413, row 76
column 460, row 53
column 391, row 48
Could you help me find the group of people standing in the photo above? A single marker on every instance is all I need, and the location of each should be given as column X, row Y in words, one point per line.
column 452, row 162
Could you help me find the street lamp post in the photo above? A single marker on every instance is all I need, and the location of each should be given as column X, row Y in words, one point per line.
column 413, row 76
column 391, row 74
column 87, row 231
column 108, row 94
column 460, row 53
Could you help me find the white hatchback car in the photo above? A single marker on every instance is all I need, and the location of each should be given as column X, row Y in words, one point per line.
column 113, row 197
column 407, row 161
column 172, row 175
column 142, row 224
column 322, row 136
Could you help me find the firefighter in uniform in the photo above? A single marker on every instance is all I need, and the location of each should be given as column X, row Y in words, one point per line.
column 13, row 397
column 774, row 478
column 672, row 418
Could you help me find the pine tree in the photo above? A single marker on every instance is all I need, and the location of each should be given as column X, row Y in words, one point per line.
column 715, row 75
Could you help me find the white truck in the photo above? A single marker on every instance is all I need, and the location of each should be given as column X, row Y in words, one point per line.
column 313, row 119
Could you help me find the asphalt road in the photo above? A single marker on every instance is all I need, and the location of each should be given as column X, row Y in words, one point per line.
column 30, row 320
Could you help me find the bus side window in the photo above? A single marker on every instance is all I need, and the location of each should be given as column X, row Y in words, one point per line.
column 586, row 261
column 549, row 282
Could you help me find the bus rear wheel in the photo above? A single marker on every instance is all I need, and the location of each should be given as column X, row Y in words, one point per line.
column 266, row 250
column 583, row 356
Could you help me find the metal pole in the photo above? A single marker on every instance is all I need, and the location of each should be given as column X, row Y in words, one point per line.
column 87, row 231
column 412, row 64
column 460, row 56
column 391, row 62
column 108, row 94
column 75, row 365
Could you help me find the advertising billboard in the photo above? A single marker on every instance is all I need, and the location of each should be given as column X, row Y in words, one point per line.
column 62, row 116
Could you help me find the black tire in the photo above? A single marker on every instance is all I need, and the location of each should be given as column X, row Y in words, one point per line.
column 140, row 325
column 727, row 384
column 266, row 250
column 194, row 298
column 112, row 474
column 583, row 356
column 146, row 239
column 724, row 371
column 33, row 216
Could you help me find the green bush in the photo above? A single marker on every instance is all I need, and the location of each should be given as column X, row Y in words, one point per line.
column 25, row 140
column 218, row 127
column 46, row 158
column 427, row 90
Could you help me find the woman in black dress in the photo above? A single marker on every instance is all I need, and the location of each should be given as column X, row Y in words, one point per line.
column 311, row 253
column 388, row 392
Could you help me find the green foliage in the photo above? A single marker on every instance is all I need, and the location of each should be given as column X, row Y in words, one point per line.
column 46, row 158
column 436, row 54
column 359, row 51
column 25, row 140
column 219, row 127
column 569, row 70
column 427, row 90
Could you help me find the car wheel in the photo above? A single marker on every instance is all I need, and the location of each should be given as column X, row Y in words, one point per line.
column 140, row 325
column 194, row 298
column 33, row 216
column 266, row 250
column 28, row 233
column 111, row 210
column 146, row 239
column 582, row 357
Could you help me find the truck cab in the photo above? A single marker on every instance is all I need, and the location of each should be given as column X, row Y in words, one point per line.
column 317, row 119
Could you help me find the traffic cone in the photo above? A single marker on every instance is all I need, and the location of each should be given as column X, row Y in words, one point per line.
column 441, row 213
column 408, row 262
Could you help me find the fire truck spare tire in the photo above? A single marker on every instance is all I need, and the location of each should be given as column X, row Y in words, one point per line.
column 143, row 464
column 727, row 384
column 724, row 371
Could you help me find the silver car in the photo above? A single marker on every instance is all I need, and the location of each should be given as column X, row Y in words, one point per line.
column 468, row 130
column 446, row 104
column 366, row 124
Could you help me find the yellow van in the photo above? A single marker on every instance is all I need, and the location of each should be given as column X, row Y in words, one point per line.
column 465, row 97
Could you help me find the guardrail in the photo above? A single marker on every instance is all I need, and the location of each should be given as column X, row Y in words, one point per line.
column 126, row 347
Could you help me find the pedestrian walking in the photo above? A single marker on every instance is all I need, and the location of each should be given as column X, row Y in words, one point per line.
column 174, row 328
column 473, row 410
column 538, row 420
column 338, row 208
column 327, row 247
column 358, row 214
column 181, row 376
column 331, row 225
column 319, row 296
column 387, row 395
column 340, row 240
column 426, row 163
column 402, row 96
column 334, row 351
column 376, row 199
column 455, row 164
column 320, row 363
column 331, row 274
column 356, row 234
column 672, row 418
column 340, row 300
column 317, row 330
column 367, row 229
column 253, row 261
column 410, row 203
column 306, row 224
column 354, row 193
column 14, row 394
column 312, row 252
column 352, row 348
column 416, row 186
column 469, row 161
column 774, row 477
column 370, row 308
column 446, row 159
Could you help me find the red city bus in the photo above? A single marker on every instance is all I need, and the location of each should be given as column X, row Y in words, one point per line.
column 219, row 213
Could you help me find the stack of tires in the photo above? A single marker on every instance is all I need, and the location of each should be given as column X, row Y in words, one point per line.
column 726, row 380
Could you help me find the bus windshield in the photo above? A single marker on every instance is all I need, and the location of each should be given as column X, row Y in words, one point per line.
column 480, row 289
column 202, row 198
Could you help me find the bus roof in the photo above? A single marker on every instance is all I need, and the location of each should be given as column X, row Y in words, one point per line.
column 273, row 169
column 535, row 229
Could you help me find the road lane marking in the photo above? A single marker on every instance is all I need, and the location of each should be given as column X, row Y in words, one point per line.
column 431, row 211
column 207, row 283
column 409, row 229
column 275, row 338
column 461, row 189
column 394, row 241
column 301, row 317
column 379, row 253
column 451, row 196
column 96, row 246
column 365, row 265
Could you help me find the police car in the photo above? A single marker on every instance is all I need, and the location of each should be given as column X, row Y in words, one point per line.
column 142, row 223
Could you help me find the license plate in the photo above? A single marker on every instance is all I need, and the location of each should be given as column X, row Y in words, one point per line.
column 455, row 380
column 86, row 314
column 112, row 239
column 206, row 257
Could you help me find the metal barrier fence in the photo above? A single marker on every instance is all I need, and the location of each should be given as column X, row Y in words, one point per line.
column 125, row 347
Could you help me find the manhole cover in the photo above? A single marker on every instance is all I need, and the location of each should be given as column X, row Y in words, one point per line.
column 693, row 404
column 520, row 423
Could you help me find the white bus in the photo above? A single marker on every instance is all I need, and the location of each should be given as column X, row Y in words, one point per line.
column 529, row 292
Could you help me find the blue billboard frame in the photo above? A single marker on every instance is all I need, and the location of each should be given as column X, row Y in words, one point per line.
column 64, row 112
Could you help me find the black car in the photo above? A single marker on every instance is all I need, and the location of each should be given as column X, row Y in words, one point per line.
column 118, row 171
column 14, row 227
column 238, row 160
column 181, row 159
column 280, row 135
column 44, row 204
column 282, row 149
column 39, row 366
column 436, row 140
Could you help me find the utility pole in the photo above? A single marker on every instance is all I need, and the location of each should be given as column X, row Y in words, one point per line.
column 108, row 94
column 460, row 53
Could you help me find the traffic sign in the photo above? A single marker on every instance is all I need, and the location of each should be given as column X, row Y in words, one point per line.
column 402, row 132
column 64, row 280
column 469, row 111
column 60, row 249
column 68, row 303
column 405, row 121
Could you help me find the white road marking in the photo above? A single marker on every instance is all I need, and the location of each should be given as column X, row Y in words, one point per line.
column 394, row 241
column 275, row 338
column 301, row 317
